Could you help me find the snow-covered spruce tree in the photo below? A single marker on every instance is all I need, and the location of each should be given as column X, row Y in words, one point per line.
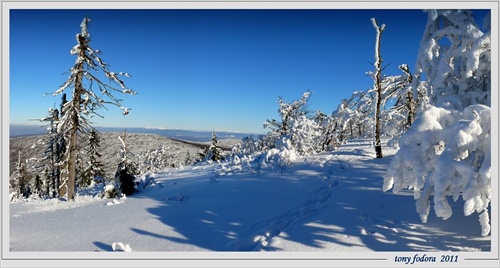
column 447, row 150
column 52, row 153
column 47, row 178
column 94, row 168
column 215, row 152
column 38, row 190
column 212, row 152
column 21, row 181
column 49, row 164
column 85, row 101
column 126, row 170
column 58, row 148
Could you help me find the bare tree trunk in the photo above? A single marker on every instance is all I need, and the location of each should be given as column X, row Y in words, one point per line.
column 411, row 110
column 378, row 87
column 410, row 102
column 70, row 183
column 73, row 135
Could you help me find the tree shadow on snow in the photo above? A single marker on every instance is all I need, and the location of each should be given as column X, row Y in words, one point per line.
column 361, row 215
column 349, row 212
column 229, row 215
column 103, row 246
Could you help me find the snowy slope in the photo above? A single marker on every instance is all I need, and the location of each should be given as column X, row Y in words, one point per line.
column 328, row 202
column 138, row 143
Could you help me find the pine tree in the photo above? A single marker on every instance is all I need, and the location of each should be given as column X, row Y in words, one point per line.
column 49, row 165
column 94, row 166
column 47, row 174
column 38, row 186
column 53, row 153
column 85, row 102
column 21, row 182
column 212, row 152
column 58, row 144
column 215, row 151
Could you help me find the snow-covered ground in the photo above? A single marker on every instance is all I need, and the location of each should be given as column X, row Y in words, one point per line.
column 330, row 202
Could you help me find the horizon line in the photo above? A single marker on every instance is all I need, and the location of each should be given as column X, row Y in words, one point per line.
column 147, row 128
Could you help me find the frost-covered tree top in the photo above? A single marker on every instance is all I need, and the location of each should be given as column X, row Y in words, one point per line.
column 287, row 112
column 89, row 64
column 455, row 56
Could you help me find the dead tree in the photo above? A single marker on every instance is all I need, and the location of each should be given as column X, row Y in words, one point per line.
column 85, row 102
column 378, row 87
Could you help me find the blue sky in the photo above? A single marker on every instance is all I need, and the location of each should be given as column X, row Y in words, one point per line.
column 208, row 69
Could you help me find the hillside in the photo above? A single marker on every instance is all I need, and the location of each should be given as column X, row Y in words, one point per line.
column 110, row 145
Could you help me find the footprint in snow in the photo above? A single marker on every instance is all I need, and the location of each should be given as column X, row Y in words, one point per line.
column 178, row 197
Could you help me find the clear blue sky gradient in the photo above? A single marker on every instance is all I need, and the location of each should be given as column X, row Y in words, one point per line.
column 209, row 69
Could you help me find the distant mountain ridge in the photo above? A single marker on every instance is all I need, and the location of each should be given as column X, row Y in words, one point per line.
column 187, row 135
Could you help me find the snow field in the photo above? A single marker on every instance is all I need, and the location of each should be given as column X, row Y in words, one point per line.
column 330, row 202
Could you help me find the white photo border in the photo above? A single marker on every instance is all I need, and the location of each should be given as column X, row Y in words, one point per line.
column 232, row 259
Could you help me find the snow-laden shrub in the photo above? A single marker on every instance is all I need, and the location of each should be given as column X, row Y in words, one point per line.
column 248, row 146
column 13, row 196
column 126, row 182
column 306, row 136
column 278, row 158
column 95, row 189
column 294, row 134
column 446, row 153
column 110, row 191
column 146, row 180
